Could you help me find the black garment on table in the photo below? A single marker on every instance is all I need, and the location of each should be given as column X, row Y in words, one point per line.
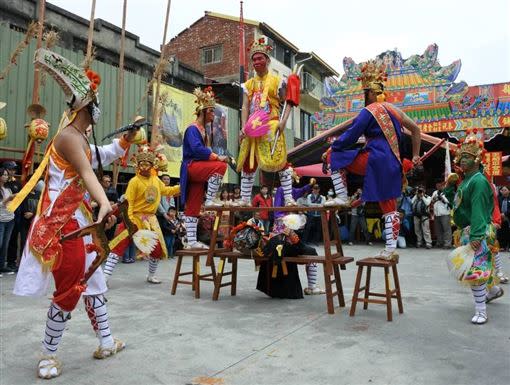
column 283, row 286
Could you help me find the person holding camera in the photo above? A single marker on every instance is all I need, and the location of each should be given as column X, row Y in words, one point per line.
column 442, row 217
column 420, row 204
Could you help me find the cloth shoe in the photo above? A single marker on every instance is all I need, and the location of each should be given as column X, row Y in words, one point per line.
column 502, row 277
column 49, row 366
column 479, row 318
column 152, row 279
column 315, row 291
column 105, row 352
column 492, row 297
column 196, row 245
column 388, row 255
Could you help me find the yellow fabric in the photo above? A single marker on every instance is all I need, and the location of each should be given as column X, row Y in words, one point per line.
column 374, row 227
column 260, row 148
column 143, row 195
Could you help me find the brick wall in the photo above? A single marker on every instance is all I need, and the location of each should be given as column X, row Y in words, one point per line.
column 209, row 31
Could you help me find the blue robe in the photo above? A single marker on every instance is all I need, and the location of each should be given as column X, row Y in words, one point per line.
column 193, row 148
column 383, row 178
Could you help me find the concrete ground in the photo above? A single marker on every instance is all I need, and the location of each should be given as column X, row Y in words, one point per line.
column 251, row 339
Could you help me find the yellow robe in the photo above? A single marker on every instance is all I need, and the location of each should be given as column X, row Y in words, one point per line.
column 263, row 94
column 143, row 195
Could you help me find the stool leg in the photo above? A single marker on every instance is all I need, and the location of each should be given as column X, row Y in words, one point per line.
column 356, row 291
column 397, row 289
column 233, row 287
column 388, row 293
column 339, row 288
column 177, row 274
column 196, row 264
column 367, row 287
column 329, row 291
column 218, row 279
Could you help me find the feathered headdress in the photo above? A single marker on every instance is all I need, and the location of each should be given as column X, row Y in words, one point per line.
column 79, row 86
column 373, row 77
column 471, row 145
column 261, row 45
column 204, row 98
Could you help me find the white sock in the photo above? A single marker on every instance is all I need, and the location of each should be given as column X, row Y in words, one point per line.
column 497, row 262
column 391, row 229
column 213, row 185
column 480, row 294
column 55, row 325
column 98, row 315
column 153, row 265
column 110, row 264
column 339, row 184
column 311, row 274
column 286, row 183
column 247, row 180
column 190, row 224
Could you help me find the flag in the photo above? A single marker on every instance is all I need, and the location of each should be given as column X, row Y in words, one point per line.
column 447, row 162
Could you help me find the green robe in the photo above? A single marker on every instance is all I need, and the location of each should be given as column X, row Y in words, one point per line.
column 474, row 205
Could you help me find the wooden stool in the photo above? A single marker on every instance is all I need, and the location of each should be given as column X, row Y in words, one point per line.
column 388, row 295
column 196, row 277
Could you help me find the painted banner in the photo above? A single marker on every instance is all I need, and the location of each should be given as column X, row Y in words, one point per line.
column 464, row 124
column 494, row 163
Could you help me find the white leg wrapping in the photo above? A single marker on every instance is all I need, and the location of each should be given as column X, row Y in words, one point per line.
column 55, row 325
column 213, row 185
column 190, row 224
column 247, row 180
column 311, row 274
column 339, row 184
column 95, row 305
column 153, row 265
column 110, row 264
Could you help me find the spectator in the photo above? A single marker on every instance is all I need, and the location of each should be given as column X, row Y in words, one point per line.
column 421, row 202
column 504, row 206
column 173, row 225
column 358, row 217
column 442, row 217
column 237, row 193
column 405, row 204
column 256, row 221
column 111, row 193
column 263, row 199
column 15, row 186
column 313, row 229
column 6, row 220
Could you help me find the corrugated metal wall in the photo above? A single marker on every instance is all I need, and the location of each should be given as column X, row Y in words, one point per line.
column 16, row 91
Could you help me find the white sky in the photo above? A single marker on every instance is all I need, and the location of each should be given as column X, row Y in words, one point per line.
column 477, row 32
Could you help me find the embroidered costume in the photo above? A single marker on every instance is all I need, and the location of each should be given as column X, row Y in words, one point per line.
column 378, row 161
column 199, row 165
column 473, row 213
column 143, row 194
column 63, row 209
column 262, row 93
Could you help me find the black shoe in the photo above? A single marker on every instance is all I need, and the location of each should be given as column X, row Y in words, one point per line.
column 13, row 268
column 7, row 271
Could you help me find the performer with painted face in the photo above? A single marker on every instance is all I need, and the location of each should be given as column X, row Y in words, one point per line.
column 262, row 96
column 68, row 166
column 472, row 263
column 143, row 195
column 379, row 160
column 199, row 165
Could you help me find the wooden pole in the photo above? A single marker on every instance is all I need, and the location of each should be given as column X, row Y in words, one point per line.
column 155, row 112
column 120, row 88
column 90, row 33
column 35, row 90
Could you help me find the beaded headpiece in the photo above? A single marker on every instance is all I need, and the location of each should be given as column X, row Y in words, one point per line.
column 373, row 76
column 261, row 45
column 204, row 98
column 145, row 154
column 471, row 145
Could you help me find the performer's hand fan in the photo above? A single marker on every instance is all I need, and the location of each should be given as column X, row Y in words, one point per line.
column 459, row 261
column 145, row 241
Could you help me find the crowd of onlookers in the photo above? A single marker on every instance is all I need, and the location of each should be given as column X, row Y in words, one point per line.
column 418, row 208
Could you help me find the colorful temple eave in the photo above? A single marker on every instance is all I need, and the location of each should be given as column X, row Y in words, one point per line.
column 426, row 91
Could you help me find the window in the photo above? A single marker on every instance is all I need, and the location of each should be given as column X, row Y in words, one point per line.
column 212, row 54
column 306, row 126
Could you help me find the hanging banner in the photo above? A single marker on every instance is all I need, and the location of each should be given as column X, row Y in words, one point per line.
column 494, row 163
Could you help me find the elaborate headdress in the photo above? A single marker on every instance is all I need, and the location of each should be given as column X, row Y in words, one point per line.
column 204, row 98
column 79, row 86
column 145, row 153
column 373, row 77
column 261, row 45
column 471, row 145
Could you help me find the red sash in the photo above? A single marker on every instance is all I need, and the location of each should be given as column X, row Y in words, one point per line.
column 383, row 118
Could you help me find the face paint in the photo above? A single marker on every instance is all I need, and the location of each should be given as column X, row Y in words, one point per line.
column 467, row 162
